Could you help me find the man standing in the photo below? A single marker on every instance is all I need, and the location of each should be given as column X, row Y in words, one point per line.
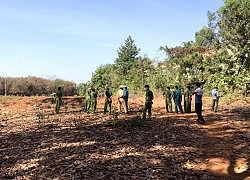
column 93, row 100
column 108, row 101
column 126, row 96
column 121, row 102
column 198, row 102
column 88, row 99
column 168, row 96
column 215, row 98
column 177, row 100
column 188, row 99
column 148, row 103
column 58, row 99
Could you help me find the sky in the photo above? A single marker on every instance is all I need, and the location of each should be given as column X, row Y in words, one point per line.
column 69, row 39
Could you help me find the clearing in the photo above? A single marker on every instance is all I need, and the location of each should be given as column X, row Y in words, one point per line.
column 37, row 144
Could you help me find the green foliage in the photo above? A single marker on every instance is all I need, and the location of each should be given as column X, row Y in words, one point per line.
column 219, row 56
column 205, row 37
column 127, row 54
column 233, row 23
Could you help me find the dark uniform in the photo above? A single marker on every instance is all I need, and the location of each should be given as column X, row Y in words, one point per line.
column 93, row 100
column 108, row 101
column 148, row 103
column 187, row 100
column 177, row 100
column 58, row 99
column 168, row 96
column 88, row 99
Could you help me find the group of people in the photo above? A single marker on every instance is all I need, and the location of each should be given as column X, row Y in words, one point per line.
column 176, row 95
column 123, row 97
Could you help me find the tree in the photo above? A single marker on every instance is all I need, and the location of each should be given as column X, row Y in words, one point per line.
column 205, row 37
column 234, row 28
column 127, row 54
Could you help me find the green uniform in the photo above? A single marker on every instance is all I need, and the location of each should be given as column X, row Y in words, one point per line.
column 108, row 101
column 58, row 100
column 88, row 102
column 148, row 104
column 93, row 101
column 188, row 100
column 177, row 100
column 168, row 101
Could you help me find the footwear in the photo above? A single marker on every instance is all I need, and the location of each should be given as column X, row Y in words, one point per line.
column 200, row 121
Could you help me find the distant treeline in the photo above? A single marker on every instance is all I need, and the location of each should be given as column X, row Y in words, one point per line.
column 34, row 86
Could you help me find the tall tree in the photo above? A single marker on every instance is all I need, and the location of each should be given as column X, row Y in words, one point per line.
column 127, row 54
column 234, row 28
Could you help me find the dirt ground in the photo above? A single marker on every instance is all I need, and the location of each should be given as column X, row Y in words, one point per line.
column 38, row 144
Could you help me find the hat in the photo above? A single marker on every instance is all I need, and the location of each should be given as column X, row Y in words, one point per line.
column 121, row 86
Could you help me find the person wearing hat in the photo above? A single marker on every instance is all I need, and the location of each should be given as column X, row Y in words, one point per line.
column 148, row 103
column 58, row 95
column 168, row 97
column 177, row 100
column 120, row 97
column 88, row 99
column 215, row 98
column 108, row 101
column 93, row 100
column 126, row 96
column 187, row 99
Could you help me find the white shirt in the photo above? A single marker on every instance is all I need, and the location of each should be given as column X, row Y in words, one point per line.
column 198, row 95
column 215, row 94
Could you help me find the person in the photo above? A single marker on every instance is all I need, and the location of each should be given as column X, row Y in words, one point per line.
column 148, row 103
column 198, row 102
column 88, row 99
column 187, row 99
column 177, row 100
column 215, row 98
column 168, row 97
column 120, row 96
column 126, row 96
column 59, row 95
column 108, row 101
column 93, row 100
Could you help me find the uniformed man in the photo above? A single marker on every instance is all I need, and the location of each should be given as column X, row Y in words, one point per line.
column 177, row 100
column 58, row 99
column 121, row 102
column 108, row 100
column 88, row 99
column 168, row 96
column 148, row 103
column 126, row 96
column 187, row 99
column 93, row 100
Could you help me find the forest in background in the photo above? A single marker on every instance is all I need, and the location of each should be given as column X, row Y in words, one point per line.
column 219, row 56
column 35, row 86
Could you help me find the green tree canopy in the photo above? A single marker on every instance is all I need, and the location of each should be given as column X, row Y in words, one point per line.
column 127, row 54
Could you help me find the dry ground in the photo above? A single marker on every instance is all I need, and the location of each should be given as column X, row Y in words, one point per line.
column 37, row 144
